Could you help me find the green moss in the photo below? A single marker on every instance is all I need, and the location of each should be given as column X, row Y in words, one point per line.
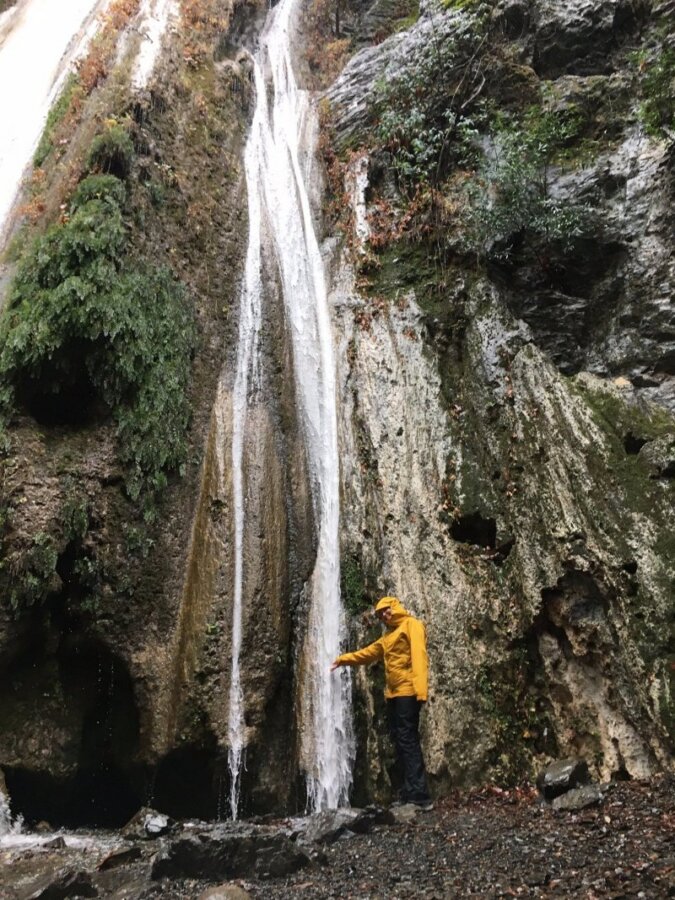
column 54, row 119
column 520, row 716
column 352, row 586
column 407, row 21
column 460, row 4
column 657, row 75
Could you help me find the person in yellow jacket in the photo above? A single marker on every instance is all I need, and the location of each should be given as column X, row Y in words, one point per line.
column 403, row 647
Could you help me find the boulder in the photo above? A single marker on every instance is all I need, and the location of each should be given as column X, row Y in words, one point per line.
column 659, row 457
column 369, row 817
column 328, row 825
column 229, row 851
column 579, row 34
column 57, row 843
column 146, row 825
column 562, row 776
column 119, row 858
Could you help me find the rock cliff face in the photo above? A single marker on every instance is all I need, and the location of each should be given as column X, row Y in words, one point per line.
column 507, row 437
column 498, row 421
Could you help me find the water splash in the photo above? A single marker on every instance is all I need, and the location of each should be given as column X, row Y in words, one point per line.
column 8, row 825
column 279, row 208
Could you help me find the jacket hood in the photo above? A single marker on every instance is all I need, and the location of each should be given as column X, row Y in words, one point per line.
column 398, row 611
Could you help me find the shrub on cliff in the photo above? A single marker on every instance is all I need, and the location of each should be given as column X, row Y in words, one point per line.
column 511, row 195
column 657, row 80
column 424, row 106
column 88, row 326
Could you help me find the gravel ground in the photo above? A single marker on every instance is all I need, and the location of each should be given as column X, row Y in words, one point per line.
column 494, row 843
column 483, row 843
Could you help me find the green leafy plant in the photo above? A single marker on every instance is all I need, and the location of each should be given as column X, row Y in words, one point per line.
column 56, row 115
column 425, row 110
column 74, row 513
column 112, row 151
column 657, row 87
column 83, row 316
column 511, row 194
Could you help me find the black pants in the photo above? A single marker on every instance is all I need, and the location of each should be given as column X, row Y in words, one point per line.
column 403, row 714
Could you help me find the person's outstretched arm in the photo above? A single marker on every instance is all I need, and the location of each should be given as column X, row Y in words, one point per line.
column 365, row 657
column 418, row 658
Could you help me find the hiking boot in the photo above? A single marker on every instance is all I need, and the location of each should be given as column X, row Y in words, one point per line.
column 424, row 805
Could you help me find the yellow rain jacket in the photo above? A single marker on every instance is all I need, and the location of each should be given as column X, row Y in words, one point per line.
column 403, row 649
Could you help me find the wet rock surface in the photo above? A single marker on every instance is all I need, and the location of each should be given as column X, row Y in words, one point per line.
column 581, row 797
column 229, row 851
column 487, row 843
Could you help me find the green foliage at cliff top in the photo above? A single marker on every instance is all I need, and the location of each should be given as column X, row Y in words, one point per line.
column 423, row 110
column 82, row 313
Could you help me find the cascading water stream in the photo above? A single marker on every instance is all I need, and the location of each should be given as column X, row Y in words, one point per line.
column 279, row 210
column 38, row 41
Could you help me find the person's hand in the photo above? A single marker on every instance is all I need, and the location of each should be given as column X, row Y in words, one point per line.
column 336, row 665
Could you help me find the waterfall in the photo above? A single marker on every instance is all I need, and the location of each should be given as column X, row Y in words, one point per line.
column 279, row 210
column 38, row 43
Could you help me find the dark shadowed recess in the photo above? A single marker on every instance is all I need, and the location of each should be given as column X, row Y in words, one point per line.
column 64, row 393
column 86, row 724
column 474, row 528
column 192, row 782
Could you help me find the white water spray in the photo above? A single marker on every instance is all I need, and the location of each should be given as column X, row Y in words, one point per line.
column 279, row 208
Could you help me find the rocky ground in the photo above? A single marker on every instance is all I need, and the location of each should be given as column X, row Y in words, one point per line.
column 484, row 843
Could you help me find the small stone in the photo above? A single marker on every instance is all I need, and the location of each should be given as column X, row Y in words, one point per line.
column 147, row 824
column 56, row 843
column 156, row 824
column 580, row 798
column 401, row 815
column 225, row 892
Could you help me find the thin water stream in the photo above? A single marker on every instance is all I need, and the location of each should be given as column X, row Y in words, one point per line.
column 279, row 213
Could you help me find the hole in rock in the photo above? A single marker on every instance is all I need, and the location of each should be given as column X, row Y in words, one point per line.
column 75, row 712
column 192, row 782
column 630, row 566
column 474, row 529
column 633, row 444
column 63, row 393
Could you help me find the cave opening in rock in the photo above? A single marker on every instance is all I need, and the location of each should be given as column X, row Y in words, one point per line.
column 475, row 529
column 633, row 444
column 76, row 730
column 63, row 393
